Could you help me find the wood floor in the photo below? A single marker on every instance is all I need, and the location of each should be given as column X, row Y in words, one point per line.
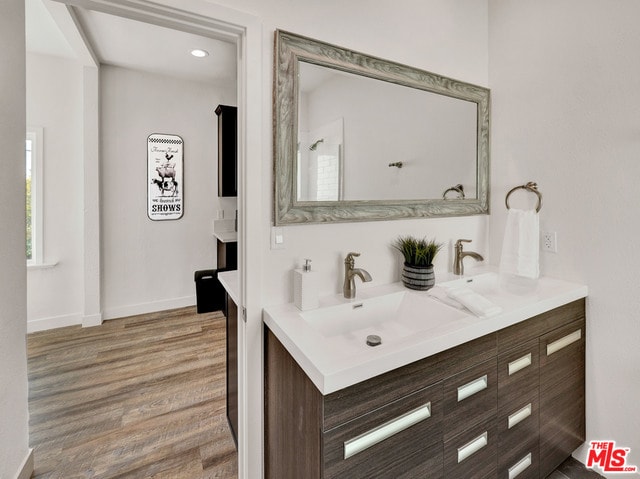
column 138, row 397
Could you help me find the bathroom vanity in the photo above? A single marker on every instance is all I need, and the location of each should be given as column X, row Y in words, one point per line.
column 501, row 397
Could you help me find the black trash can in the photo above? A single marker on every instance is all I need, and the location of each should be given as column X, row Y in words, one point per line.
column 210, row 294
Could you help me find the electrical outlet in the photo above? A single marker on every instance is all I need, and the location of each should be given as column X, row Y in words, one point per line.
column 549, row 241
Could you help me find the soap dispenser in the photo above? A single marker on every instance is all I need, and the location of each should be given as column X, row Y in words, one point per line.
column 305, row 287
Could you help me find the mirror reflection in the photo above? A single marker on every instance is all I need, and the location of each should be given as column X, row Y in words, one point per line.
column 361, row 138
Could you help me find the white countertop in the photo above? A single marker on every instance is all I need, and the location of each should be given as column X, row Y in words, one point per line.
column 226, row 236
column 231, row 283
column 332, row 366
column 225, row 231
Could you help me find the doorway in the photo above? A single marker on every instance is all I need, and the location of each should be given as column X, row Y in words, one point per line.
column 209, row 20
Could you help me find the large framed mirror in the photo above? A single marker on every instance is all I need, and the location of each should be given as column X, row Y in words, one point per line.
column 358, row 138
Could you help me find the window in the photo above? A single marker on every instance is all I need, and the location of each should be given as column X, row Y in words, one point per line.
column 34, row 196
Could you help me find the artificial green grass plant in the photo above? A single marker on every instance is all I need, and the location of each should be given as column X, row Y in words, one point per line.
column 417, row 252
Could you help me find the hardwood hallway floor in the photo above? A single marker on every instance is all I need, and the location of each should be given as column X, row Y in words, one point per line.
column 138, row 397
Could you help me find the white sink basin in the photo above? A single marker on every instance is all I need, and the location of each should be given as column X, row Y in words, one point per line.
column 391, row 316
column 484, row 283
column 494, row 287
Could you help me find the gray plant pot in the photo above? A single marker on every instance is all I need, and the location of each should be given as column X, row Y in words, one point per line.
column 420, row 278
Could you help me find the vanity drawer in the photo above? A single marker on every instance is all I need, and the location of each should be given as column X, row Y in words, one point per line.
column 472, row 453
column 351, row 402
column 470, row 397
column 518, row 373
column 513, row 336
column 401, row 439
column 518, row 438
column 524, row 465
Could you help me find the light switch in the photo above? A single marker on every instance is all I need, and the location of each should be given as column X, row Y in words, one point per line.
column 277, row 238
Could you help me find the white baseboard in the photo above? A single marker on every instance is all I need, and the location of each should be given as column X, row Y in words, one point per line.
column 53, row 322
column 152, row 307
column 91, row 320
column 26, row 469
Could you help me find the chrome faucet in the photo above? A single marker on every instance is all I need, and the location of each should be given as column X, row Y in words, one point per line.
column 349, row 288
column 458, row 266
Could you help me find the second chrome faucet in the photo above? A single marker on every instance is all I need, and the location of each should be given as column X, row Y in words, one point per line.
column 458, row 265
column 350, row 271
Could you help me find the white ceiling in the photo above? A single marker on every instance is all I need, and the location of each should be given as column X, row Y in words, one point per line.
column 136, row 45
column 43, row 35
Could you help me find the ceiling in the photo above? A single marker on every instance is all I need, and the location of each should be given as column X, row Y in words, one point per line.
column 132, row 44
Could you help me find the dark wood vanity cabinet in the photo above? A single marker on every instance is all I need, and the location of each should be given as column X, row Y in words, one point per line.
column 227, row 150
column 507, row 405
column 227, row 254
column 232, row 366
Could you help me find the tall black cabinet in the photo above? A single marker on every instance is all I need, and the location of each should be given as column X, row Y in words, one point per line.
column 227, row 140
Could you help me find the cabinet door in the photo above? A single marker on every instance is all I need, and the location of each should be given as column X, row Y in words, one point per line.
column 399, row 440
column 227, row 156
column 227, row 255
column 232, row 367
column 562, row 395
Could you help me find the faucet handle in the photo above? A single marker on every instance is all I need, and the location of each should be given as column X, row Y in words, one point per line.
column 460, row 241
column 349, row 258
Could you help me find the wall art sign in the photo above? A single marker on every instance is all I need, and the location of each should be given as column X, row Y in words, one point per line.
column 164, row 177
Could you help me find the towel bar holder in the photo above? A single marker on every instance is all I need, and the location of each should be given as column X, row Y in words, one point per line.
column 530, row 186
column 458, row 189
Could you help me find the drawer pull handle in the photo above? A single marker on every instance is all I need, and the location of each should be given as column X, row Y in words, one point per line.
column 386, row 430
column 521, row 465
column 519, row 364
column 472, row 388
column 519, row 416
column 472, row 447
column 563, row 342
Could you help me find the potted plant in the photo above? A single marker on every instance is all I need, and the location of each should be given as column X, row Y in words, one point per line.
column 417, row 272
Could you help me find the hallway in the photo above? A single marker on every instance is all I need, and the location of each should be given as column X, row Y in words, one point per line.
column 137, row 397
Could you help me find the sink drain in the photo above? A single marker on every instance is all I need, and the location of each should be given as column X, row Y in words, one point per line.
column 374, row 340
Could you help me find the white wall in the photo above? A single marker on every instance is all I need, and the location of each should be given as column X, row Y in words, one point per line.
column 14, row 440
column 149, row 265
column 54, row 102
column 564, row 80
column 446, row 37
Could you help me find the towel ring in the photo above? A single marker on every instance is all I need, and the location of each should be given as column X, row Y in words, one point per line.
column 530, row 186
column 458, row 189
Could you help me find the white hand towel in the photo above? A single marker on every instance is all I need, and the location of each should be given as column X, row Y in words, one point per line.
column 441, row 294
column 474, row 302
column 521, row 245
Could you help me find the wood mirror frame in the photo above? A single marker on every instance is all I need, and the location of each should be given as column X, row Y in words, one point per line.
column 290, row 49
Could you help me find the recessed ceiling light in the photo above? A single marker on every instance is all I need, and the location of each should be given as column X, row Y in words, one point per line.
column 199, row 53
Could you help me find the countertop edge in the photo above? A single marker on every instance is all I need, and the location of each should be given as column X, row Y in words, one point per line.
column 231, row 283
column 226, row 236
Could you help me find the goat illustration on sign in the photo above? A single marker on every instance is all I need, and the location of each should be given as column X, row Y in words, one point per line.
column 164, row 170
